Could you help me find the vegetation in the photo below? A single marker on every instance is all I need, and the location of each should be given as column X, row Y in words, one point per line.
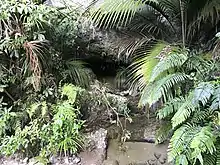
column 187, row 87
column 174, row 63
column 43, row 128
column 39, row 108
column 184, row 82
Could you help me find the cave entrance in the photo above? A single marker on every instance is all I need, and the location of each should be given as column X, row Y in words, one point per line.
column 105, row 68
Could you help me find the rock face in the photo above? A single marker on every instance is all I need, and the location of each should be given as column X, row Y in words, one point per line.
column 96, row 148
column 141, row 129
column 100, row 107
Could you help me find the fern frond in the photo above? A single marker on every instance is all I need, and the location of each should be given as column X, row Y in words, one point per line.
column 163, row 133
column 170, row 107
column 203, row 93
column 177, row 144
column 217, row 152
column 161, row 88
column 201, row 115
column 209, row 159
column 201, row 66
column 216, row 99
column 182, row 159
column 173, row 60
column 203, row 142
column 184, row 111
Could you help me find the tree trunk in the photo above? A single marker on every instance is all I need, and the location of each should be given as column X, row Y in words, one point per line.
column 183, row 24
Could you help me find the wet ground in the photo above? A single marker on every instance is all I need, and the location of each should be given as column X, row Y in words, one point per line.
column 136, row 153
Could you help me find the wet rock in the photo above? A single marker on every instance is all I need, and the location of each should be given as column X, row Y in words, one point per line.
column 76, row 160
column 157, row 155
column 96, row 153
column 53, row 159
column 72, row 160
column 99, row 106
column 33, row 161
column 110, row 162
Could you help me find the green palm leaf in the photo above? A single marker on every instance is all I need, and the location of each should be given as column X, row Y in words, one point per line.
column 144, row 64
column 116, row 12
column 77, row 72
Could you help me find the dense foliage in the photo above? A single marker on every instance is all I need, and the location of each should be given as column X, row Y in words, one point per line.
column 43, row 128
column 188, row 88
column 39, row 108
column 172, row 65
column 183, row 82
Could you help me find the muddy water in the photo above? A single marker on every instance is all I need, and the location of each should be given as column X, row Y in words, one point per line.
column 136, row 153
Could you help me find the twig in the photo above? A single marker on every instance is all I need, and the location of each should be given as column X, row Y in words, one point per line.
column 8, row 94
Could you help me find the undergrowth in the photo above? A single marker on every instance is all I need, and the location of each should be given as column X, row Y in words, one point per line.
column 44, row 127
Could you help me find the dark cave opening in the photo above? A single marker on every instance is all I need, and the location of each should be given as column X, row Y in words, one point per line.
column 104, row 66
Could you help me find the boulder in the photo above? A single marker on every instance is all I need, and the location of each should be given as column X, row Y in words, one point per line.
column 95, row 148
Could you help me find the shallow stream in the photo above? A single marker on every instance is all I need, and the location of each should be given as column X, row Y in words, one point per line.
column 136, row 153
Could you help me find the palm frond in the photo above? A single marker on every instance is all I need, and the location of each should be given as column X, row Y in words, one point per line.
column 210, row 11
column 144, row 64
column 116, row 12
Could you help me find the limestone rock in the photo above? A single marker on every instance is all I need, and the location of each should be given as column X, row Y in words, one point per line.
column 95, row 151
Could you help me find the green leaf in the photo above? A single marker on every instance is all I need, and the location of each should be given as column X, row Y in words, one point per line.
column 203, row 93
column 181, row 160
column 216, row 99
column 184, row 111
column 173, row 60
column 161, row 88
